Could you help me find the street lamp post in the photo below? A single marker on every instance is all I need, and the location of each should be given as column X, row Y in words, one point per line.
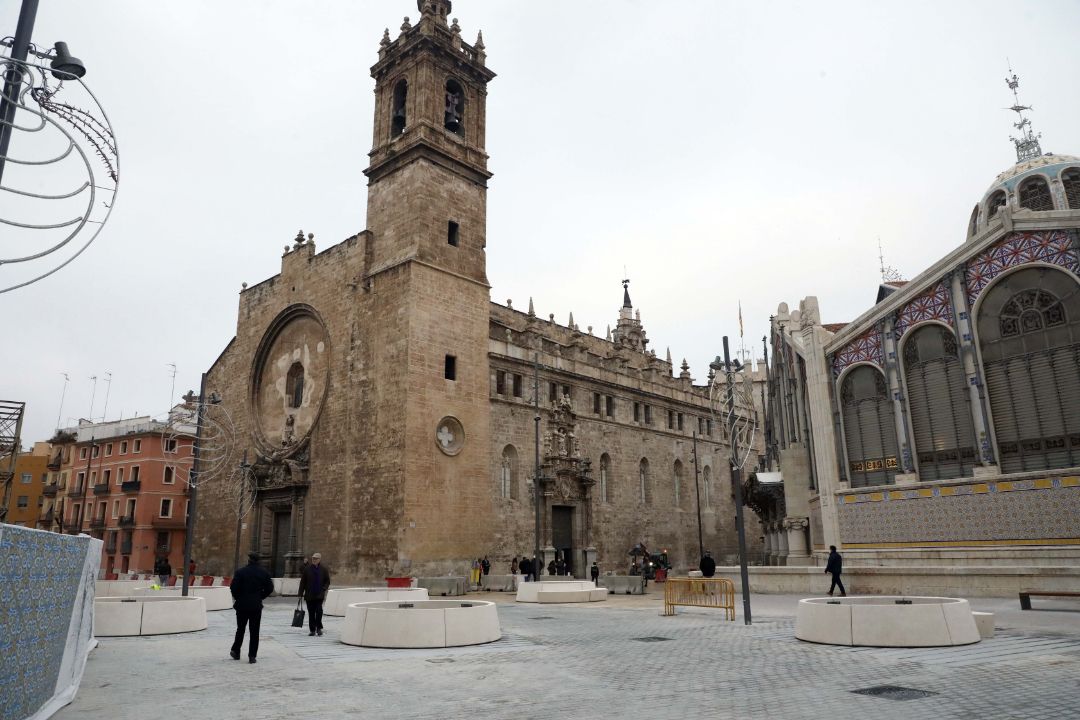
column 20, row 48
column 736, row 481
column 193, row 478
column 697, row 493
column 244, row 467
column 64, row 66
column 536, row 472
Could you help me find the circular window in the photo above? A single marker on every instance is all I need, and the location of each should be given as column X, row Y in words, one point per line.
column 289, row 379
column 450, row 435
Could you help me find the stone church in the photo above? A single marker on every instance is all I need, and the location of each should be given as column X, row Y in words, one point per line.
column 392, row 415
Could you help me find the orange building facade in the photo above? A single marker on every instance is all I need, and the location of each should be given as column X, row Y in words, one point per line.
column 125, row 483
column 27, row 486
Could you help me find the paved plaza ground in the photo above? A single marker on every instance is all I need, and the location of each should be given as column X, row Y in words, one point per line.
column 616, row 659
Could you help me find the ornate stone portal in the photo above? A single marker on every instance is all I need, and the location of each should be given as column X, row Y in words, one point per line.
column 281, row 485
column 566, row 492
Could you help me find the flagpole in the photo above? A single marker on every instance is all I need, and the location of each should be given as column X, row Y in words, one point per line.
column 742, row 346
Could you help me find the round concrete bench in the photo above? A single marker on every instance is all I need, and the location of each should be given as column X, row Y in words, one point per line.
column 581, row 590
column 423, row 624
column 217, row 598
column 886, row 621
column 118, row 588
column 340, row 598
column 572, row 596
column 119, row 616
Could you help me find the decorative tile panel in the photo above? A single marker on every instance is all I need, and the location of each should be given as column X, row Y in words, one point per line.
column 1051, row 246
column 1003, row 512
column 41, row 574
column 865, row 348
column 934, row 304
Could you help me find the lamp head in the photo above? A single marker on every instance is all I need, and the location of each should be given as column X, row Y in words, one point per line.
column 64, row 66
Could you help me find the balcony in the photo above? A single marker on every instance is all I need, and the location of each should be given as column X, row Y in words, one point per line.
column 71, row 527
column 131, row 485
column 97, row 523
column 76, row 491
column 169, row 523
column 46, row 517
column 101, row 489
column 125, row 547
column 126, row 521
column 50, row 490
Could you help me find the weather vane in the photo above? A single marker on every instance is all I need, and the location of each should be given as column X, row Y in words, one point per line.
column 889, row 274
column 1027, row 145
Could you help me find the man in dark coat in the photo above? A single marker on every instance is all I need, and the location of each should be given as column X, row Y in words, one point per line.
column 834, row 567
column 594, row 572
column 525, row 568
column 314, row 584
column 250, row 586
column 707, row 566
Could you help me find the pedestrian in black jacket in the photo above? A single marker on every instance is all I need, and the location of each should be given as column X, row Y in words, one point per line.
column 834, row 566
column 250, row 586
column 707, row 565
column 314, row 584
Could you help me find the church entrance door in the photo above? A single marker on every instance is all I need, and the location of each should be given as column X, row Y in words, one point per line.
column 562, row 534
column 280, row 543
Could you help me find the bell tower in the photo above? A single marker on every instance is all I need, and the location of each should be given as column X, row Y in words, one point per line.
column 427, row 177
column 427, row 303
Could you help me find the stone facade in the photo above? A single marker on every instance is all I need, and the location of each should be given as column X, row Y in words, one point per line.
column 383, row 401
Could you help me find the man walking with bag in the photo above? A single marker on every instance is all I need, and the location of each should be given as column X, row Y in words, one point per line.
column 314, row 583
column 250, row 586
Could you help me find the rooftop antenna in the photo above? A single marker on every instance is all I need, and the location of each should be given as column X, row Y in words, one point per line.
column 172, row 388
column 93, row 391
column 889, row 274
column 63, row 392
column 108, row 387
column 1027, row 145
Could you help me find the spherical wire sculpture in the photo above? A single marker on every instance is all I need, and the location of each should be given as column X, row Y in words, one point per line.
column 731, row 398
column 60, row 172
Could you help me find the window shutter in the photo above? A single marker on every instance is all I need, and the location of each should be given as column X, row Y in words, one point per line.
column 938, row 405
column 868, row 428
column 1029, row 328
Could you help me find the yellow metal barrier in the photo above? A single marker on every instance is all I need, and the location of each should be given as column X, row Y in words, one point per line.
column 700, row 592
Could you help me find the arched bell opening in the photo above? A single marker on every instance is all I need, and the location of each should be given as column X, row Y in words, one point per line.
column 454, row 114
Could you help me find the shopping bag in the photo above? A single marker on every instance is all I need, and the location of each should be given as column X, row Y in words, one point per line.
column 298, row 615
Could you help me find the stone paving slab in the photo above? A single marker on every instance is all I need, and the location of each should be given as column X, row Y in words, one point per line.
column 562, row 661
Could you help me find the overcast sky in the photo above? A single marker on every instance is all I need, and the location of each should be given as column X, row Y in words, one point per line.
column 719, row 151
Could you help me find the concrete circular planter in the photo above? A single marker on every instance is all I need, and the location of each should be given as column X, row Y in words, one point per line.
column 423, row 624
column 887, row 621
column 338, row 599
column 217, row 598
column 120, row 617
column 560, row 591
column 118, row 588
